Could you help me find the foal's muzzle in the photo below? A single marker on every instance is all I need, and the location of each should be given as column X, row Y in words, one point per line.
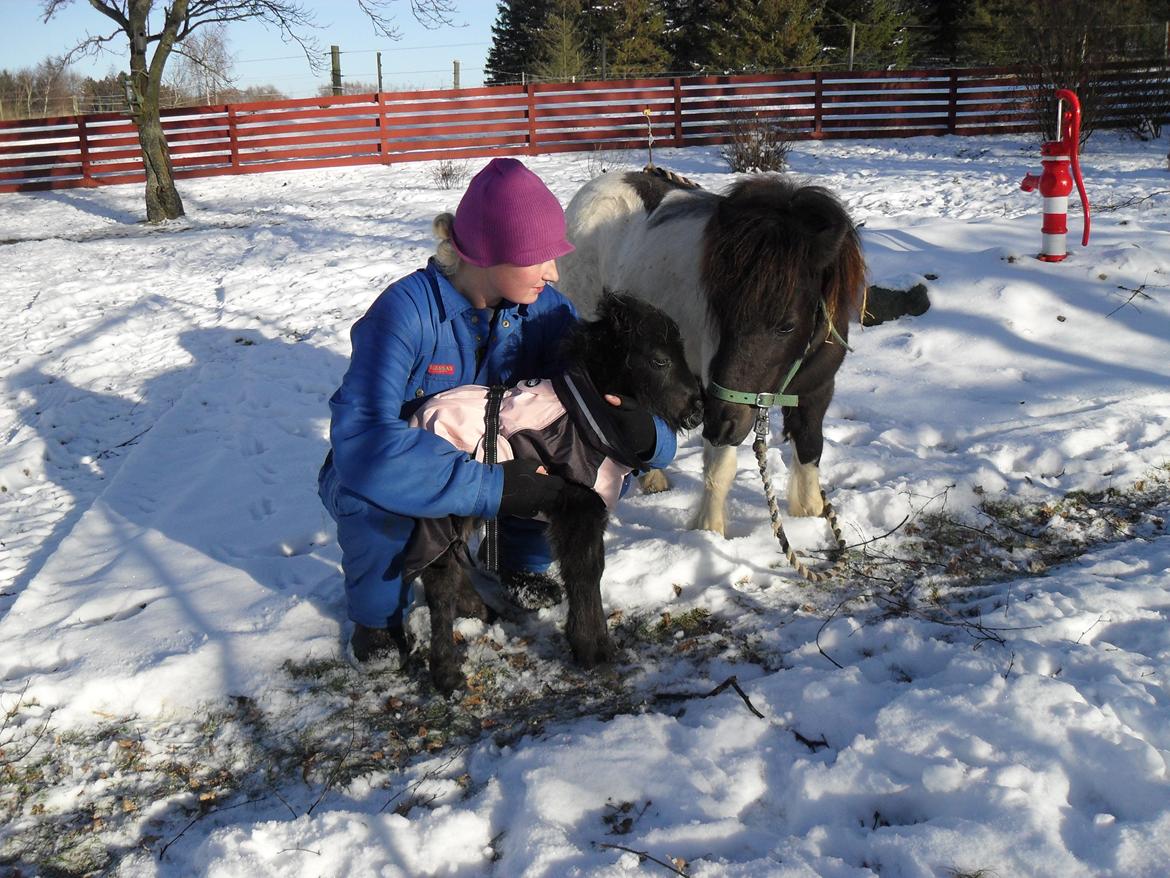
column 694, row 417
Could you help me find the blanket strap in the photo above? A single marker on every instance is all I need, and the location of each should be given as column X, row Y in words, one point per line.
column 491, row 433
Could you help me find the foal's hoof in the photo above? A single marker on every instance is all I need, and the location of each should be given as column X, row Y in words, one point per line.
column 470, row 605
column 593, row 651
column 447, row 678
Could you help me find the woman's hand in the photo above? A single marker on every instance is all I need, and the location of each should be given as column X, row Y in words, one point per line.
column 634, row 424
column 528, row 489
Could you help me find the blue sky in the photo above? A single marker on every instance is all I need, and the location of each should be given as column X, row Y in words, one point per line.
column 422, row 58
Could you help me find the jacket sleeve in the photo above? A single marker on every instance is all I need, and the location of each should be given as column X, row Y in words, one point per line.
column 664, row 447
column 376, row 453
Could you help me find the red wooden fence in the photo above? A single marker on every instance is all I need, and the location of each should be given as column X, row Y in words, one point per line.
column 470, row 123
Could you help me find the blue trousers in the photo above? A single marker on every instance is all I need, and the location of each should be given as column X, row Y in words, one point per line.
column 373, row 544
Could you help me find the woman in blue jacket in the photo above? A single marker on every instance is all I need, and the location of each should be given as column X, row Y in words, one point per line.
column 481, row 312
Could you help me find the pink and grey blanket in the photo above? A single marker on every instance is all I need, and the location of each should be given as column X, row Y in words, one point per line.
column 562, row 422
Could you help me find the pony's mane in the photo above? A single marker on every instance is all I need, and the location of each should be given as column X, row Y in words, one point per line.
column 761, row 238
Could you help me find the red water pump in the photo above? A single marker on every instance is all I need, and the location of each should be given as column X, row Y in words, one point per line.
column 1055, row 182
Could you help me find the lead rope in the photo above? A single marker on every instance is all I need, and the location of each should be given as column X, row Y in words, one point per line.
column 491, row 423
column 760, row 447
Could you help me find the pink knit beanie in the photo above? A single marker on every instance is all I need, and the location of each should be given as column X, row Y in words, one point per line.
column 508, row 215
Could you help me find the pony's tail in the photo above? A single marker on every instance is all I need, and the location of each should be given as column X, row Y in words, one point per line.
column 446, row 256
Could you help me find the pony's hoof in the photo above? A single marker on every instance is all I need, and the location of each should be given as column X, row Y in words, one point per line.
column 812, row 507
column 654, row 482
column 707, row 520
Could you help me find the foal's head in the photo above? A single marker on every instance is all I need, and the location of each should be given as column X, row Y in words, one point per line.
column 635, row 350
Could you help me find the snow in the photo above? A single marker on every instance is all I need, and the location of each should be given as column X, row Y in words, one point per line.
column 164, row 557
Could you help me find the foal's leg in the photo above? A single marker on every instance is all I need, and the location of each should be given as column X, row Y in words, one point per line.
column 804, row 425
column 443, row 581
column 719, row 466
column 577, row 531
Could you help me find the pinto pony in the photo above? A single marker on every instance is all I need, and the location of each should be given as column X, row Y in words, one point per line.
column 762, row 281
column 632, row 350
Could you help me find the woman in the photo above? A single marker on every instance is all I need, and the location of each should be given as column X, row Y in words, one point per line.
column 481, row 312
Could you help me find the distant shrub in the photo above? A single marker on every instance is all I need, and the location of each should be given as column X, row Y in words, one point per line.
column 450, row 174
column 757, row 144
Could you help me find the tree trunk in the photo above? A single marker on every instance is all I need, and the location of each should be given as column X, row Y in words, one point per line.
column 162, row 198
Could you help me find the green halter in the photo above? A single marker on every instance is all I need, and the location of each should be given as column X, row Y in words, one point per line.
column 767, row 400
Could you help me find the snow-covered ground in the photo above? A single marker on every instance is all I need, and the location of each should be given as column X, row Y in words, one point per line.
column 987, row 690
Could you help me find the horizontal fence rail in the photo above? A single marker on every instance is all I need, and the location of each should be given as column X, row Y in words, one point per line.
column 383, row 128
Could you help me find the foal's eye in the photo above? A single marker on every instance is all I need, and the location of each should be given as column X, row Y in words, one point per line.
column 660, row 364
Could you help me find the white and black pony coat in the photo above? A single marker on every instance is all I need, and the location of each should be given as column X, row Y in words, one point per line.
column 757, row 278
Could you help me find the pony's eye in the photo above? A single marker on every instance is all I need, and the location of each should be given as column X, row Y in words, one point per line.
column 661, row 364
column 785, row 328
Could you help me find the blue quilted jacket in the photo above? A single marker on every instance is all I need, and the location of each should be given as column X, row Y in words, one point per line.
column 420, row 337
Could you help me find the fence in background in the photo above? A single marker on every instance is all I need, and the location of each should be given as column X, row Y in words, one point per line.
column 101, row 149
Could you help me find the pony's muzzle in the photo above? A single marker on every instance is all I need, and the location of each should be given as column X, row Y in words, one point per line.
column 727, row 424
column 694, row 417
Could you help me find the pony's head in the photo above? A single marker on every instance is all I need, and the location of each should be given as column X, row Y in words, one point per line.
column 781, row 262
column 633, row 349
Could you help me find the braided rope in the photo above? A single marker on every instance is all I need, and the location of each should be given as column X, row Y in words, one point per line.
column 671, row 176
column 760, row 447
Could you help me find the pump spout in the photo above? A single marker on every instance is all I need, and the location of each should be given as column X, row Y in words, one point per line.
column 1030, row 182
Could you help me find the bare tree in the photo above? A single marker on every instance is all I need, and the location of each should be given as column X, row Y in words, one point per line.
column 204, row 69
column 151, row 43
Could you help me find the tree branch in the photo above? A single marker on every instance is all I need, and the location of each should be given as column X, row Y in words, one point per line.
column 644, row 855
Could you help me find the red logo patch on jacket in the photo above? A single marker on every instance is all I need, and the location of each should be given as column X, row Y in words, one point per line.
column 441, row 369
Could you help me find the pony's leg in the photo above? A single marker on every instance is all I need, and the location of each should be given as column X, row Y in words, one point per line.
column 719, row 466
column 804, row 487
column 654, row 482
column 576, row 530
column 804, row 427
column 443, row 581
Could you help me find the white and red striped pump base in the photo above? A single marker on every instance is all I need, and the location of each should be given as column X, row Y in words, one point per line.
column 1054, row 232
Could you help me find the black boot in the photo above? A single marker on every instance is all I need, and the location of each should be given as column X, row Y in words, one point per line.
column 531, row 590
column 373, row 644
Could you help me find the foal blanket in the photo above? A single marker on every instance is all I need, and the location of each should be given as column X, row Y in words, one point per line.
column 562, row 422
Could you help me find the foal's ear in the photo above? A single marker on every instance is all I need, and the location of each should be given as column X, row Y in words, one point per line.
column 825, row 222
column 613, row 311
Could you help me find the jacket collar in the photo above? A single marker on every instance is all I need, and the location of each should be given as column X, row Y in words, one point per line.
column 451, row 302
column 590, row 414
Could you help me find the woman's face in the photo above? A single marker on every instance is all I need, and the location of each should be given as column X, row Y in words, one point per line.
column 521, row 284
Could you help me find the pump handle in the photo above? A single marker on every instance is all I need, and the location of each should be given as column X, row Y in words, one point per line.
column 1069, row 131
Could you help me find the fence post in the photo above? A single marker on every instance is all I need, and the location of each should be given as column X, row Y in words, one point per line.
column 953, row 103
column 530, row 111
column 83, row 148
column 383, row 130
column 678, row 135
column 233, row 138
column 818, row 102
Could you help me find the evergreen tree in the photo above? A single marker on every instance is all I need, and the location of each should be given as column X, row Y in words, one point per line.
column 561, row 45
column 635, row 45
column 761, row 35
column 881, row 32
column 687, row 34
column 516, row 46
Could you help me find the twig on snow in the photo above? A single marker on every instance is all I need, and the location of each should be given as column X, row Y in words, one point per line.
column 1139, row 292
column 812, row 745
column 644, row 855
column 203, row 814
column 1129, row 202
column 734, row 684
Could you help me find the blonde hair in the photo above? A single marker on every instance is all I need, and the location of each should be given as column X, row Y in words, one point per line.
column 446, row 256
